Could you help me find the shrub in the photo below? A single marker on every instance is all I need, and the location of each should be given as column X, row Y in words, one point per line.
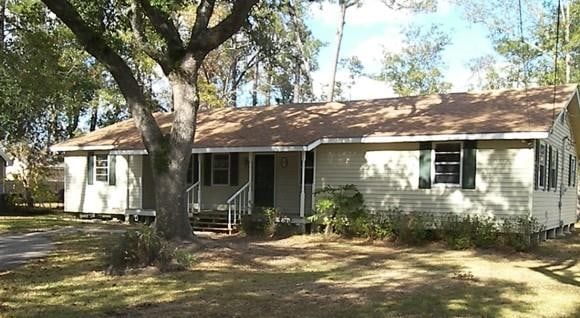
column 412, row 228
column 338, row 209
column 143, row 247
column 517, row 233
column 266, row 222
column 376, row 226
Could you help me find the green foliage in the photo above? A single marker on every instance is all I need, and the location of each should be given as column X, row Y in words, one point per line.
column 338, row 209
column 458, row 232
column 470, row 231
column 261, row 223
column 528, row 57
column 517, row 233
column 417, row 69
column 144, row 247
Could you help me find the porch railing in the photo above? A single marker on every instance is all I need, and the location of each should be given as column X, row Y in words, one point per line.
column 238, row 205
column 193, row 201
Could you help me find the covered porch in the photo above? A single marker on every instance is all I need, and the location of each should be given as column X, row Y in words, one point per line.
column 224, row 186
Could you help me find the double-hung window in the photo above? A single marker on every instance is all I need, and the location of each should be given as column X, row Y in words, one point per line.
column 542, row 166
column 220, row 169
column 447, row 163
column 102, row 168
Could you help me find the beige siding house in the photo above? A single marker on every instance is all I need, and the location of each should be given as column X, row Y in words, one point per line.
column 4, row 161
column 495, row 153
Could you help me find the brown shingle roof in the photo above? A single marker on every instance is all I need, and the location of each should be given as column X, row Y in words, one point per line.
column 503, row 111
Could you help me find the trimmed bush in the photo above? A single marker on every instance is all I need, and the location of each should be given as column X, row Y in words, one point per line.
column 338, row 210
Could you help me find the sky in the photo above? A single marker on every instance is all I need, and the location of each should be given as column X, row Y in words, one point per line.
column 373, row 28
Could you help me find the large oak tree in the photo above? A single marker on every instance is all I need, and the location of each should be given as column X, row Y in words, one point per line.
column 179, row 49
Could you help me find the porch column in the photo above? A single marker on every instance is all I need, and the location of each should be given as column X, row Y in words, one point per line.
column 302, row 194
column 250, row 181
column 200, row 183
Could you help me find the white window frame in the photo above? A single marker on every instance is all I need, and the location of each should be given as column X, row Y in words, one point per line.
column 221, row 169
column 434, row 152
column 572, row 174
column 96, row 167
column 542, row 169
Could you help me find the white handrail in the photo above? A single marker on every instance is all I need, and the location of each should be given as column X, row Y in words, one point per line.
column 238, row 205
column 193, row 197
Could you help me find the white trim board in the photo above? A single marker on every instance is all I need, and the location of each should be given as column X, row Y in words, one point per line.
column 327, row 140
column 6, row 157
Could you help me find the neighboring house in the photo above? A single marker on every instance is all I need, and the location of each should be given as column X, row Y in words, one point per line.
column 496, row 153
column 4, row 161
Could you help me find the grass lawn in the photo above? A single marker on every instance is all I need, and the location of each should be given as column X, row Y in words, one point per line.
column 304, row 276
column 43, row 222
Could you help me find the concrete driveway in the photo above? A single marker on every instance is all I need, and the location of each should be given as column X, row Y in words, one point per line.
column 17, row 249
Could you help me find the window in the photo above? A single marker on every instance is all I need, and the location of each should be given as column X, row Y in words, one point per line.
column 552, row 168
column 220, row 169
column 309, row 168
column 542, row 167
column 447, row 163
column 572, row 171
column 102, row 168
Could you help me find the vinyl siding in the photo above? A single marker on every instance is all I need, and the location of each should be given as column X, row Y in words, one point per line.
column 99, row 197
column 545, row 203
column 388, row 177
column 287, row 197
column 214, row 197
column 135, row 181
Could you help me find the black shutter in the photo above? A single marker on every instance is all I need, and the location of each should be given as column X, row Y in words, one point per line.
column 195, row 168
column 190, row 164
column 90, row 167
column 537, row 166
column 557, row 154
column 469, row 164
column 234, row 168
column 207, row 169
column 425, row 165
column 546, row 167
column 112, row 170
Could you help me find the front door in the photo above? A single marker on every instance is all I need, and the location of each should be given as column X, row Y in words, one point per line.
column 264, row 181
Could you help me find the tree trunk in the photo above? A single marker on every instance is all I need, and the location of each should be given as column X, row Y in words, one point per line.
column 297, row 76
column 94, row 118
column 169, row 164
column 339, row 32
column 568, row 56
column 256, row 84
column 2, row 22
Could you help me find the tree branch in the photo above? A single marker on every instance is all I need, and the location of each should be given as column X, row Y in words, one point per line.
column 202, row 17
column 211, row 38
column 97, row 46
column 137, row 24
column 165, row 27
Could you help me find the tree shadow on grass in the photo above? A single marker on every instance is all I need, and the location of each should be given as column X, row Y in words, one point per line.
column 257, row 280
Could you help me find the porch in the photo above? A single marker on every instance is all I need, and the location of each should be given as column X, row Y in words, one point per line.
column 223, row 187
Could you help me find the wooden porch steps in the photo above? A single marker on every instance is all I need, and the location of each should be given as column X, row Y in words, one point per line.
column 210, row 221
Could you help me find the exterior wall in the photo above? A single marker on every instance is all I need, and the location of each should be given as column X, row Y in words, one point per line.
column 388, row 177
column 545, row 203
column 148, row 185
column 287, row 198
column 214, row 197
column 99, row 197
column 135, row 186
column 286, row 187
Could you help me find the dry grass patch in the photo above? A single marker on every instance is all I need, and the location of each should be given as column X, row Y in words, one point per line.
column 302, row 276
